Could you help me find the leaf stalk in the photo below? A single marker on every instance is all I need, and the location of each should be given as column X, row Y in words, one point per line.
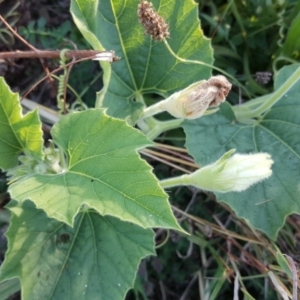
column 267, row 101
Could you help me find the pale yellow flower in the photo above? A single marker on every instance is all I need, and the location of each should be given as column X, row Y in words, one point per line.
column 233, row 173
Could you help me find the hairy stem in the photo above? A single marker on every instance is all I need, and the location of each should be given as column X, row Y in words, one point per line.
column 152, row 110
column 174, row 181
column 161, row 127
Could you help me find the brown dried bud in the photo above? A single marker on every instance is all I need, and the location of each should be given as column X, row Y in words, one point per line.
column 193, row 101
column 154, row 24
column 221, row 87
column 263, row 77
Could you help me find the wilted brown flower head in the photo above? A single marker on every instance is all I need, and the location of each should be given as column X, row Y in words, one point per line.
column 222, row 88
column 154, row 24
column 193, row 101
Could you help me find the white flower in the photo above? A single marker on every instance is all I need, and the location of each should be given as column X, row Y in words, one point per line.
column 232, row 173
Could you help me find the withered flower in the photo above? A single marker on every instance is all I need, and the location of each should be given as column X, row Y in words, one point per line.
column 193, row 101
column 153, row 23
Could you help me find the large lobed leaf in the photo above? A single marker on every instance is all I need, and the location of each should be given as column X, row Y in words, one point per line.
column 96, row 259
column 146, row 66
column 265, row 205
column 104, row 172
column 17, row 133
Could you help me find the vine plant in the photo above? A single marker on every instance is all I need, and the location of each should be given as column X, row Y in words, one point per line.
column 84, row 207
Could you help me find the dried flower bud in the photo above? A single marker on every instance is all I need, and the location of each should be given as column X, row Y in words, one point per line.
column 154, row 24
column 193, row 101
column 263, row 77
column 232, row 173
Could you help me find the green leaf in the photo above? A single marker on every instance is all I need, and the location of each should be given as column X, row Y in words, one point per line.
column 8, row 288
column 265, row 205
column 96, row 259
column 283, row 263
column 291, row 46
column 17, row 133
column 104, row 172
column 146, row 66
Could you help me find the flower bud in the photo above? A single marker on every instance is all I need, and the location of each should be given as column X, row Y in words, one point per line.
column 193, row 101
column 233, row 173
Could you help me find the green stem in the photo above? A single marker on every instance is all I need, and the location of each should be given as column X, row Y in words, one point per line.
column 242, row 109
column 144, row 125
column 282, row 58
column 174, row 181
column 165, row 241
column 239, row 20
column 78, row 97
column 87, row 88
column 152, row 110
column 263, row 29
column 254, row 102
column 273, row 98
column 202, row 64
column 161, row 127
column 253, row 84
